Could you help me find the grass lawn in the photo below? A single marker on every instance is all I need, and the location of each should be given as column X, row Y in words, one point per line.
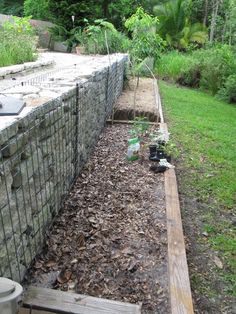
column 204, row 129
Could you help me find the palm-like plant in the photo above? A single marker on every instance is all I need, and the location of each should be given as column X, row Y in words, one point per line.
column 175, row 26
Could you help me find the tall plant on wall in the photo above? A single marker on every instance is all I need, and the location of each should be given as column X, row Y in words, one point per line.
column 146, row 44
column 145, row 41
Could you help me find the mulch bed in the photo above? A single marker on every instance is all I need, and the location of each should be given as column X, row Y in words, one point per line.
column 110, row 238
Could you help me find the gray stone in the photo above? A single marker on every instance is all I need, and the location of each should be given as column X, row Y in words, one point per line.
column 24, row 90
column 11, row 147
column 33, row 96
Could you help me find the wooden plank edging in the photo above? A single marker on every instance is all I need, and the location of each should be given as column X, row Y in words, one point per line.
column 65, row 302
column 179, row 284
column 158, row 101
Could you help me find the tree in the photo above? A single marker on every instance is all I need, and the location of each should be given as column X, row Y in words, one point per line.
column 115, row 12
column 215, row 8
column 37, row 9
column 11, row 7
column 145, row 41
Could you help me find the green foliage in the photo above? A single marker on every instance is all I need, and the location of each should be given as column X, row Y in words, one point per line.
column 140, row 126
column 37, row 9
column 228, row 91
column 175, row 26
column 11, row 7
column 113, row 11
column 217, row 64
column 96, row 37
column 71, row 38
column 208, row 69
column 172, row 64
column 18, row 42
column 145, row 41
column 19, row 25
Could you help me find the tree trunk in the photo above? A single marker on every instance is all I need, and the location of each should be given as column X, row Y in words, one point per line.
column 230, row 33
column 224, row 29
column 213, row 19
column 105, row 7
column 205, row 13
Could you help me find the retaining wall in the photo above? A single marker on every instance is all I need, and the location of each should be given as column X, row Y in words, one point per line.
column 41, row 154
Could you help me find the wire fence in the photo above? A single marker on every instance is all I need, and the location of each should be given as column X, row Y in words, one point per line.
column 41, row 156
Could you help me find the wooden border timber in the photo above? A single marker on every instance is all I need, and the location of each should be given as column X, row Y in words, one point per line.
column 158, row 101
column 110, row 121
column 179, row 283
column 61, row 302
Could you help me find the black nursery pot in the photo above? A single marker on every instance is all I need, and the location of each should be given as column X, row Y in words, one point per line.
column 152, row 149
column 153, row 152
column 158, row 153
column 162, row 155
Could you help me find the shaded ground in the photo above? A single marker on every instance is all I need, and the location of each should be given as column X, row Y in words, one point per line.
column 144, row 104
column 110, row 239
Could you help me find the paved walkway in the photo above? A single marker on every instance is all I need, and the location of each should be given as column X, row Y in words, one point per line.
column 48, row 82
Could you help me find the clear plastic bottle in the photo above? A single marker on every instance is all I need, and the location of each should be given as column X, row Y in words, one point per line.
column 133, row 149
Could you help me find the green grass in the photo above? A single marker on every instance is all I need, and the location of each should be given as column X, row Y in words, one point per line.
column 205, row 129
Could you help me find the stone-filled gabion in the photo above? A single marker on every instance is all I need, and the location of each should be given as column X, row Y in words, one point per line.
column 41, row 155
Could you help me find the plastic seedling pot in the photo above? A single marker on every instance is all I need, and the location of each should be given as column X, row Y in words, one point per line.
column 152, row 149
column 10, row 295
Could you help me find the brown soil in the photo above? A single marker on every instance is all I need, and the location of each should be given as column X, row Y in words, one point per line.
column 110, row 239
column 145, row 104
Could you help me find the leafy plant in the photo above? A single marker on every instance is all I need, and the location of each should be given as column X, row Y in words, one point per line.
column 18, row 43
column 140, row 126
column 37, row 9
column 145, row 41
column 70, row 37
column 19, row 25
column 175, row 26
column 97, row 38
column 228, row 91
column 207, row 68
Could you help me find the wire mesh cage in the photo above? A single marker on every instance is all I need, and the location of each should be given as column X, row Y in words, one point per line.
column 41, row 156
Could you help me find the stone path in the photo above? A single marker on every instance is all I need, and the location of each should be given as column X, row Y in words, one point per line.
column 48, row 83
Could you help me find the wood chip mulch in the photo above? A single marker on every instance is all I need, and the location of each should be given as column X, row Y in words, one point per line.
column 110, row 238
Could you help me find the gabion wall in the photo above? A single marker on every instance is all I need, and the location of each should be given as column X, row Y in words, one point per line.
column 41, row 156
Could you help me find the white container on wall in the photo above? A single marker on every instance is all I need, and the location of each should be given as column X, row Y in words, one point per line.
column 10, row 295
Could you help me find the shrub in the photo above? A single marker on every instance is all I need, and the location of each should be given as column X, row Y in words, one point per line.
column 69, row 37
column 228, row 91
column 217, row 64
column 205, row 68
column 18, row 43
column 96, row 37
column 38, row 9
column 171, row 65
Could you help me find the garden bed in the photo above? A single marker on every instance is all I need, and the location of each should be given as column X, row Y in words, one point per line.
column 142, row 104
column 110, row 239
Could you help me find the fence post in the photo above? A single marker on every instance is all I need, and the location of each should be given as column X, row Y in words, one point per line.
column 76, row 131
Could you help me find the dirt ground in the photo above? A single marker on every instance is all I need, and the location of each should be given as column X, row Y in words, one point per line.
column 144, row 105
column 110, row 239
